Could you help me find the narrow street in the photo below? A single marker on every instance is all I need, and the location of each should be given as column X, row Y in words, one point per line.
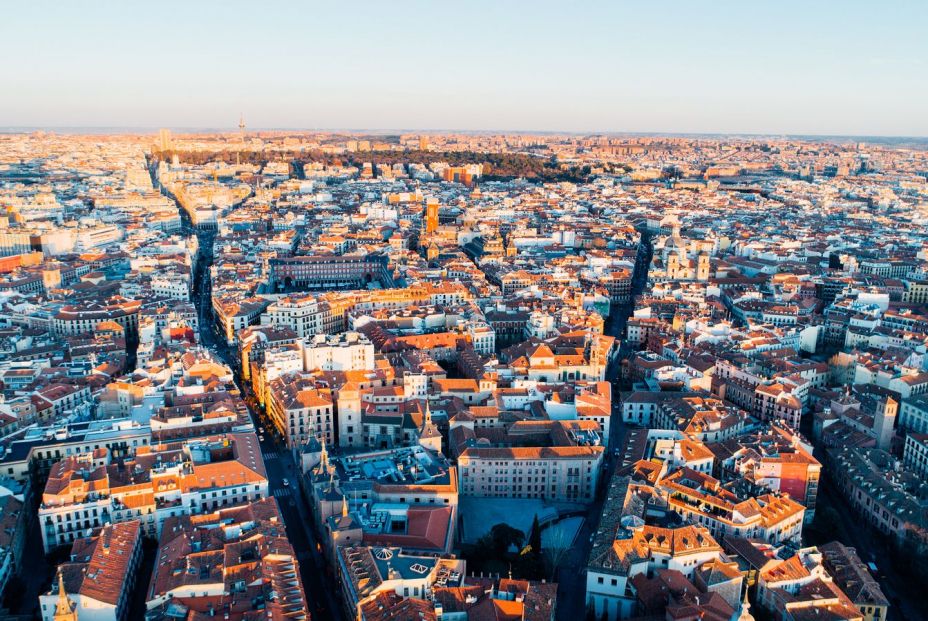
column 318, row 584
column 571, row 575
column 850, row 530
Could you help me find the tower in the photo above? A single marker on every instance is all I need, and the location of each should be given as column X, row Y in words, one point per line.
column 65, row 610
column 431, row 252
column 673, row 265
column 884, row 421
column 431, row 215
column 429, row 436
column 164, row 139
column 702, row 267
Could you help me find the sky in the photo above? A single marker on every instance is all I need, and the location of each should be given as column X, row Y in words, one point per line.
column 824, row 67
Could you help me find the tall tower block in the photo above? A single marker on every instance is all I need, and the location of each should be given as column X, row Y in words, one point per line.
column 164, row 139
column 241, row 138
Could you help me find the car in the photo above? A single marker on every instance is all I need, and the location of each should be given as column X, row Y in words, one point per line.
column 261, row 438
column 286, row 483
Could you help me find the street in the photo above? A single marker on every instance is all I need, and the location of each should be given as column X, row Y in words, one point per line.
column 896, row 584
column 318, row 584
column 571, row 574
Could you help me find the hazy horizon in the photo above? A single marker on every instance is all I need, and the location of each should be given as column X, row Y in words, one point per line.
column 679, row 68
column 393, row 131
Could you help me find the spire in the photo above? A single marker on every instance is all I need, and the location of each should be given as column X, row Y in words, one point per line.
column 344, row 506
column 64, row 608
column 744, row 611
column 428, row 414
column 324, row 456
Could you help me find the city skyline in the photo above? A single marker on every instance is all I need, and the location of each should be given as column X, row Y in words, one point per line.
column 421, row 311
column 720, row 69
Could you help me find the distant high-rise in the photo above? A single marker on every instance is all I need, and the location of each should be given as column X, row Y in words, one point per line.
column 241, row 132
column 164, row 139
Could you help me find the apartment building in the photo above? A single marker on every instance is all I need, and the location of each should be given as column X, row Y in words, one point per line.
column 233, row 563
column 301, row 409
column 700, row 498
column 643, row 550
column 853, row 577
column 550, row 460
column 83, row 318
column 152, row 484
column 883, row 494
column 800, row 587
column 365, row 572
column 98, row 581
column 348, row 351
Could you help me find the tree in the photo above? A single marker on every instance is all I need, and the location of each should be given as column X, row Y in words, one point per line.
column 534, row 537
column 505, row 537
column 556, row 550
column 530, row 563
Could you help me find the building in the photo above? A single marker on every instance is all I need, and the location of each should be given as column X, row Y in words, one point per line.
column 421, row 529
column 431, row 216
column 301, row 409
column 854, row 578
column 348, row 351
column 233, row 563
column 801, row 588
column 413, row 476
column 84, row 318
column 885, row 496
column 553, row 460
column 643, row 550
column 234, row 314
column 915, row 455
column 325, row 272
column 40, row 448
column 306, row 315
column 701, row 499
column 488, row 598
column 364, row 572
column 151, row 484
column 98, row 581
column 913, row 414
column 12, row 535
column 775, row 459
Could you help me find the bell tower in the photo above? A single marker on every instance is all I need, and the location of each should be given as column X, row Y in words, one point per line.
column 702, row 267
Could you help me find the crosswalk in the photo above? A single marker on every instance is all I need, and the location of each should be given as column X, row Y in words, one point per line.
column 269, row 455
column 283, row 492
